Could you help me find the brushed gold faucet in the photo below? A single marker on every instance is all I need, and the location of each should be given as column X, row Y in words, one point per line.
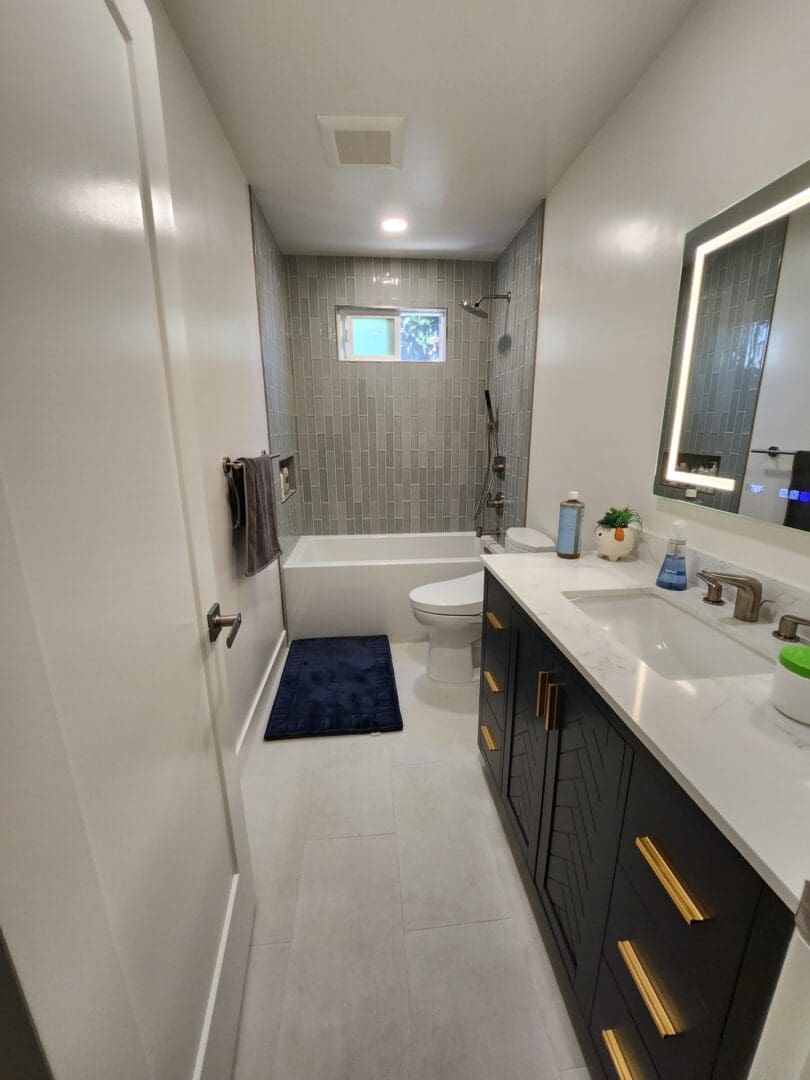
column 749, row 593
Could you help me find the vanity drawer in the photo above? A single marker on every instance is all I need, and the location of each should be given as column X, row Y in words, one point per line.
column 681, row 1036
column 497, row 610
column 697, row 889
column 494, row 672
column 490, row 740
column 616, row 1038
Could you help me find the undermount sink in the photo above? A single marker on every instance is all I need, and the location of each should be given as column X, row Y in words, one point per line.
column 673, row 642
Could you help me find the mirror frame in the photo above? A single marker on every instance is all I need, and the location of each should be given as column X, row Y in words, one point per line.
column 778, row 199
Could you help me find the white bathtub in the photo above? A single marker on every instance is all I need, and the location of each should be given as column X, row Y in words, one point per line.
column 342, row 585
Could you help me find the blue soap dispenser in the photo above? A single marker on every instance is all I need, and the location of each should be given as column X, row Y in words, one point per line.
column 672, row 574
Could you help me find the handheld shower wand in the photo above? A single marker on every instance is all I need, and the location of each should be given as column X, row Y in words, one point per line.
column 490, row 413
column 495, row 465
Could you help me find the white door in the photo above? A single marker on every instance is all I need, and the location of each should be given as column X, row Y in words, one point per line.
column 126, row 897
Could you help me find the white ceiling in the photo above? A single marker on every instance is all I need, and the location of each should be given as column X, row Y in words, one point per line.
column 499, row 98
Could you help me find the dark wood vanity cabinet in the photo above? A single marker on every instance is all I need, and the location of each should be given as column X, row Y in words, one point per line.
column 587, row 768
column 670, row 941
column 526, row 737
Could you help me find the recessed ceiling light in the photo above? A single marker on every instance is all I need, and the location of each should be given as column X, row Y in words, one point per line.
column 394, row 224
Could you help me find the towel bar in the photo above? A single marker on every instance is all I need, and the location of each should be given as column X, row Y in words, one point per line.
column 227, row 464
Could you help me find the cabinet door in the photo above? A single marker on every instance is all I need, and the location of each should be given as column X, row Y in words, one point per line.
column 587, row 767
column 525, row 762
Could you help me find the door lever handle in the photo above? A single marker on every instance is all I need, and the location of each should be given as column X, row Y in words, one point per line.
column 216, row 622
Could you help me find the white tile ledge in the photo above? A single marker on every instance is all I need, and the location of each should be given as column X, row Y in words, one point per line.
column 743, row 763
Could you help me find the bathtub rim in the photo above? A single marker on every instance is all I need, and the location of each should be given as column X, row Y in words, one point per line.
column 294, row 560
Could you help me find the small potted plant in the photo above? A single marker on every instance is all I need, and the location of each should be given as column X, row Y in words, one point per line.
column 616, row 532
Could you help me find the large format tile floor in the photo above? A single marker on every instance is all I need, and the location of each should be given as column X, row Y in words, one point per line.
column 393, row 939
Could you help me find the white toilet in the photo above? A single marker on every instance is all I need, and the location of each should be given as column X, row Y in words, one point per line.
column 527, row 540
column 451, row 611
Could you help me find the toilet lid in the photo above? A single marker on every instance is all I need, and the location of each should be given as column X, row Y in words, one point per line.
column 458, row 596
column 529, row 539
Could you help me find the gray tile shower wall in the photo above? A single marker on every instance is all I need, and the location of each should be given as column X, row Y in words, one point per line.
column 387, row 447
column 279, row 384
column 513, row 340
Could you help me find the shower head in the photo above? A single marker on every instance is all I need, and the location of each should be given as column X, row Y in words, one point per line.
column 476, row 309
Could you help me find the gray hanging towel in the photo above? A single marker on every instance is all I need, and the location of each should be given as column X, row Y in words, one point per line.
column 797, row 513
column 258, row 513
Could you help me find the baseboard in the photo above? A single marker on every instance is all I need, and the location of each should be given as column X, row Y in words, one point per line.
column 258, row 709
column 202, row 1046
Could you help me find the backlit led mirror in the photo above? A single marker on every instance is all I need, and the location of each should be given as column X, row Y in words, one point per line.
column 736, row 428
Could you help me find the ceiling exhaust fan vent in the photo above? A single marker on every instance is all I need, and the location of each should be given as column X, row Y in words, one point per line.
column 371, row 141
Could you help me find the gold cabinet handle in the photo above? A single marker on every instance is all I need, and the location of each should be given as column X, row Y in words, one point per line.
column 492, row 682
column 616, row 1055
column 552, row 703
column 674, row 888
column 488, row 739
column 494, row 621
column 542, row 687
column 649, row 995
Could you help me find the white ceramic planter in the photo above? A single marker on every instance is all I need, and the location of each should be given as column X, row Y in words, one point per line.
column 614, row 544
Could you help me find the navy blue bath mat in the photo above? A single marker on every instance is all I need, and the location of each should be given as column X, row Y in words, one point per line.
column 336, row 686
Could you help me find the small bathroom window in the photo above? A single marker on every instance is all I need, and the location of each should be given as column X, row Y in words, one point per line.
column 410, row 335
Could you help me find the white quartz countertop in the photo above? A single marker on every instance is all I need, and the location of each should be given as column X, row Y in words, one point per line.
column 744, row 763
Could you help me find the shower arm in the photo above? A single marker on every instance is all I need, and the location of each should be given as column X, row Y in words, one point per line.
column 476, row 309
column 507, row 296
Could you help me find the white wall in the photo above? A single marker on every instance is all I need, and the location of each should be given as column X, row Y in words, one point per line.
column 212, row 213
column 721, row 113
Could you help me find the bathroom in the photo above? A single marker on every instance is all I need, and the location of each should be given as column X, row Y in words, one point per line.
column 246, row 254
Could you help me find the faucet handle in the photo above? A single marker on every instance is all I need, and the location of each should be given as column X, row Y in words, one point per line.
column 788, row 625
column 714, row 594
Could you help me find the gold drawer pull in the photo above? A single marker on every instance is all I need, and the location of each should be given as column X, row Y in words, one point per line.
column 674, row 889
column 649, row 995
column 492, row 682
column 494, row 621
column 552, row 701
column 616, row 1054
column 542, row 687
column 488, row 739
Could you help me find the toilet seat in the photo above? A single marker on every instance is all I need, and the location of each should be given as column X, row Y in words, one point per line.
column 520, row 539
column 456, row 596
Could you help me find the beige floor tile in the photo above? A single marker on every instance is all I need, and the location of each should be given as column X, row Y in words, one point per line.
column 345, row 1013
column 473, row 1010
column 351, row 789
column 564, row 1043
column 277, row 814
column 448, row 873
column 261, row 1012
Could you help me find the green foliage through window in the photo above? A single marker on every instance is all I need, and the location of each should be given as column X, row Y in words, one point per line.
column 421, row 336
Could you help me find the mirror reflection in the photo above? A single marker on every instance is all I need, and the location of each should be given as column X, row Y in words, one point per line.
column 738, row 405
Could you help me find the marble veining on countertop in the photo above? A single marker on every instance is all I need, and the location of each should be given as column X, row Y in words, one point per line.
column 744, row 763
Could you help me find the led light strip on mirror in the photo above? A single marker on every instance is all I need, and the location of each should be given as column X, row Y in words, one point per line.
column 781, row 209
